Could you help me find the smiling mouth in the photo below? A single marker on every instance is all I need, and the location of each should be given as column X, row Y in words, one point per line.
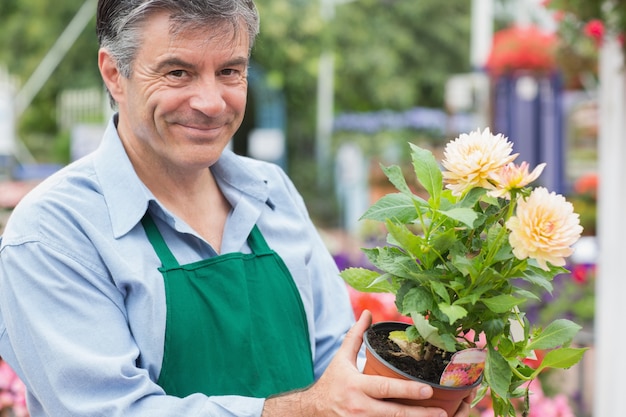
column 200, row 127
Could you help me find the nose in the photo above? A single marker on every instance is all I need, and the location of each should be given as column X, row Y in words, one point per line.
column 208, row 96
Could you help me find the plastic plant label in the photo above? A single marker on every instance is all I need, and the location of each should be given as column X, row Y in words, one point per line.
column 465, row 368
column 517, row 334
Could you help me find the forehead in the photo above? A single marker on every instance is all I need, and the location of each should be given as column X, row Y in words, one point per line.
column 162, row 31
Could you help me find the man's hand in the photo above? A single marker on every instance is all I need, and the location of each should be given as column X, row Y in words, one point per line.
column 344, row 391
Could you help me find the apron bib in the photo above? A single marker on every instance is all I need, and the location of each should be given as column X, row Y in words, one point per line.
column 235, row 323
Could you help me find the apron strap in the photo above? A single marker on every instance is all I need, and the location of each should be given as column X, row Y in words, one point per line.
column 158, row 243
column 257, row 242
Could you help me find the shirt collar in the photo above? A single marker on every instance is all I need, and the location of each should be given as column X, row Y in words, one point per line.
column 127, row 198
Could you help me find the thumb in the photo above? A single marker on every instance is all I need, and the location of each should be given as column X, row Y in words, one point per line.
column 354, row 338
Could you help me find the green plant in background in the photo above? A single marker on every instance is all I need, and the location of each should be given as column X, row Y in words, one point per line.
column 596, row 16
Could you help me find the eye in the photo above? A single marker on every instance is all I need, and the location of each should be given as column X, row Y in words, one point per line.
column 177, row 73
column 229, row 72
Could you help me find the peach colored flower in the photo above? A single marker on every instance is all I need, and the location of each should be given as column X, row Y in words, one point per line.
column 513, row 177
column 471, row 159
column 544, row 228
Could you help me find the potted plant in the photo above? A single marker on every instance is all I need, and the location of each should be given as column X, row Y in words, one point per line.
column 462, row 261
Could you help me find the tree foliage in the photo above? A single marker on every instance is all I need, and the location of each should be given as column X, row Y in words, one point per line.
column 398, row 53
column 29, row 30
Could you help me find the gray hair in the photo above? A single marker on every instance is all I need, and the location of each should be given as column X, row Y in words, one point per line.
column 118, row 22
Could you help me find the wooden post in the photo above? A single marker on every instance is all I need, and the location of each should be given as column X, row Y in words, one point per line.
column 610, row 383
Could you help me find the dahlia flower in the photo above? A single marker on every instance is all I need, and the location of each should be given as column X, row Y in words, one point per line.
column 472, row 160
column 544, row 228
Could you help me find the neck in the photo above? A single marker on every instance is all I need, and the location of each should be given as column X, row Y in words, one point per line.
column 198, row 201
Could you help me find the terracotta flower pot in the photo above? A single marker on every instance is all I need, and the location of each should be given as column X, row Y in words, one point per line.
column 447, row 398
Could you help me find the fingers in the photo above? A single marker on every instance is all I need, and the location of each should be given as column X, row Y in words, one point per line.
column 470, row 398
column 346, row 391
column 354, row 338
column 393, row 408
column 377, row 386
column 380, row 387
column 362, row 324
column 464, row 410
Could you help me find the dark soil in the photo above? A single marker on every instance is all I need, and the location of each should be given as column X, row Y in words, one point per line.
column 426, row 370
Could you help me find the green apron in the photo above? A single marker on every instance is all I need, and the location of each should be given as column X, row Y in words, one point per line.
column 235, row 323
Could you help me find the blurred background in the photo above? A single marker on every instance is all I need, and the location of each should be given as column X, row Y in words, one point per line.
column 338, row 87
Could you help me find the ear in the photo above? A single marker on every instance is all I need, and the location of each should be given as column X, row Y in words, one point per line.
column 111, row 75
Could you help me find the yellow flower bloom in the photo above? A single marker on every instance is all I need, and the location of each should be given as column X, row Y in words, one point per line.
column 544, row 228
column 472, row 159
column 514, row 177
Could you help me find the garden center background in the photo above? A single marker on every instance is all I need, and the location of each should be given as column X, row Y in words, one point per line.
column 330, row 100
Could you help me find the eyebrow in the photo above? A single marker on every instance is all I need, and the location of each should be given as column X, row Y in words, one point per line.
column 177, row 62
column 173, row 62
column 237, row 61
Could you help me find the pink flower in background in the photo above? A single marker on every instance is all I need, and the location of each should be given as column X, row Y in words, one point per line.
column 12, row 391
column 582, row 273
column 542, row 406
column 595, row 30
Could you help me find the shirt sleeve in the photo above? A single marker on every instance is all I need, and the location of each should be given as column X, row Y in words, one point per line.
column 331, row 308
column 65, row 332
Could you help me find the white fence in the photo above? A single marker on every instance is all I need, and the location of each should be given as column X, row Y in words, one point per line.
column 81, row 106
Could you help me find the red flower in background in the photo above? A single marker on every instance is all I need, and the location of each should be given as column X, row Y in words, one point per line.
column 587, row 185
column 381, row 305
column 595, row 30
column 536, row 361
column 582, row 273
column 526, row 48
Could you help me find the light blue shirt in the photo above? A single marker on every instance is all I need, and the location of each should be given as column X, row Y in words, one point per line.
column 82, row 302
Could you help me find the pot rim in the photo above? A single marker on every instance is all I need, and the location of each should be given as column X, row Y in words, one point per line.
column 403, row 325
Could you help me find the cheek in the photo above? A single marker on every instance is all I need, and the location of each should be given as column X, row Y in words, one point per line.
column 161, row 103
column 238, row 98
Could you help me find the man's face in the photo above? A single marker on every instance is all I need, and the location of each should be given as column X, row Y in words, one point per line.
column 186, row 96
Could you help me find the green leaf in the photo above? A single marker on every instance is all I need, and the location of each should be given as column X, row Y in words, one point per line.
column 501, row 303
column 493, row 235
column 464, row 265
column 440, row 289
column 393, row 261
column 385, row 279
column 365, row 280
column 493, row 328
column 557, row 333
column 427, row 171
column 464, row 215
column 396, row 177
column 417, row 299
column 538, row 280
column 404, row 238
column 398, row 206
column 561, row 358
column 529, row 295
column 443, row 241
column 471, row 197
column 482, row 391
column 498, row 373
column 429, row 332
column 454, row 312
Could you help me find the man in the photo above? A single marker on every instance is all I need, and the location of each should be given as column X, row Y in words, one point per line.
column 164, row 276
